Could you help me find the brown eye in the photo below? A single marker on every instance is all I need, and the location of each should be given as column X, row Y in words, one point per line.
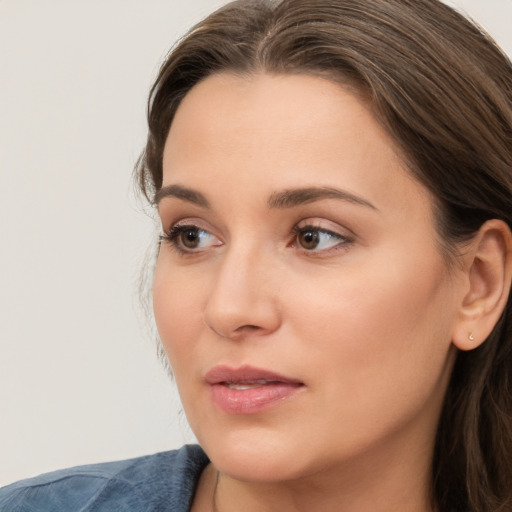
column 190, row 238
column 308, row 239
column 318, row 240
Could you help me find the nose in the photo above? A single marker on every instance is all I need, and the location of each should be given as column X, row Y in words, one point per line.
column 243, row 299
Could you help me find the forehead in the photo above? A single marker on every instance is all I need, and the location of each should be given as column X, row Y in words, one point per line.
column 276, row 131
column 287, row 108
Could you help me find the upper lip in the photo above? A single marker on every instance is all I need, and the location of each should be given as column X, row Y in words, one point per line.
column 245, row 374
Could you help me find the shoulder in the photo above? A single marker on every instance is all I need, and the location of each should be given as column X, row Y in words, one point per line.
column 159, row 482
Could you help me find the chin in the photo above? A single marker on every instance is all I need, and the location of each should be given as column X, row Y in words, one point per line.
column 257, row 457
column 261, row 468
column 270, row 448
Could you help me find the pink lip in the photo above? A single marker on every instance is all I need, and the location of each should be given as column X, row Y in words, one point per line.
column 264, row 388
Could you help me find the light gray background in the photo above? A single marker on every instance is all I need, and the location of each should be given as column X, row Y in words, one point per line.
column 79, row 379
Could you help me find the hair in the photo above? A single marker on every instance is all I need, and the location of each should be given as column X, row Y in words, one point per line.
column 443, row 90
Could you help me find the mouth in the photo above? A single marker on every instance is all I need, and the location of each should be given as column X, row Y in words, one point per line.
column 248, row 390
column 243, row 386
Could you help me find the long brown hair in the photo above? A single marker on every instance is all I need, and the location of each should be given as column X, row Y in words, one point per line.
column 443, row 90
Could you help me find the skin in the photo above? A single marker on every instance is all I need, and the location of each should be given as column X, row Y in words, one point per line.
column 365, row 320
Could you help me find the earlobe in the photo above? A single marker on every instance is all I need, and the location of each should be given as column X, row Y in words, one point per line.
column 488, row 275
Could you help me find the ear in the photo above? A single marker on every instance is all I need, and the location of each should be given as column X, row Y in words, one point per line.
column 488, row 275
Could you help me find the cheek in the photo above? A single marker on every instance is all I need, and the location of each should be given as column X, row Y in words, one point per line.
column 374, row 323
column 176, row 306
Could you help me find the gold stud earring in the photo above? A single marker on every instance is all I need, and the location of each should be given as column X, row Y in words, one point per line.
column 471, row 337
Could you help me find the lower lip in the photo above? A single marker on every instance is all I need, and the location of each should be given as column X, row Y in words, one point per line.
column 252, row 400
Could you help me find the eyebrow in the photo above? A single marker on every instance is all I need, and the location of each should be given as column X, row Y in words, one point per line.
column 180, row 192
column 296, row 197
column 288, row 198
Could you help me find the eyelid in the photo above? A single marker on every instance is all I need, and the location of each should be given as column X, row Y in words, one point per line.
column 195, row 222
column 323, row 224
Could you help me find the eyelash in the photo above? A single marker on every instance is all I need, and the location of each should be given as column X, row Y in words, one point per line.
column 173, row 239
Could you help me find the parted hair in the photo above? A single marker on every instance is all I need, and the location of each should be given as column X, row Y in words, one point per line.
column 443, row 90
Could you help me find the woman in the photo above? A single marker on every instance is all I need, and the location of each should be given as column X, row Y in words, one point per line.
column 334, row 184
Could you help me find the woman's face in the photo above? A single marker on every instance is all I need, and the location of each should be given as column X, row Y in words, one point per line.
column 300, row 294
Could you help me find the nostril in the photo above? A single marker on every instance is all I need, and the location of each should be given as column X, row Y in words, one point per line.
column 236, row 333
column 250, row 327
column 247, row 329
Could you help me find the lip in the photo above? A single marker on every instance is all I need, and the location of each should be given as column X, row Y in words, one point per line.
column 248, row 390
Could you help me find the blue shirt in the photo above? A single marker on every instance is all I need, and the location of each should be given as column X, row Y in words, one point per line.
column 155, row 483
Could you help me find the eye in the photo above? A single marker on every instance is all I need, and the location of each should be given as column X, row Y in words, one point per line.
column 190, row 238
column 314, row 238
